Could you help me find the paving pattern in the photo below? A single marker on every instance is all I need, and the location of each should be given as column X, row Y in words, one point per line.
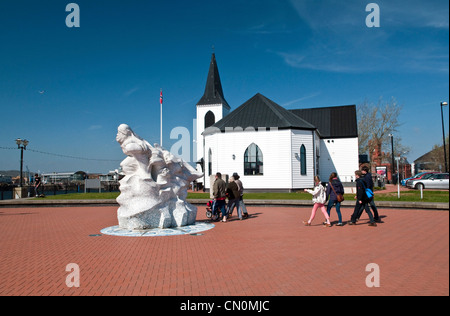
column 269, row 254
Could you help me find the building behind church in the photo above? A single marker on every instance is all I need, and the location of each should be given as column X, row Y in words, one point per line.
column 270, row 147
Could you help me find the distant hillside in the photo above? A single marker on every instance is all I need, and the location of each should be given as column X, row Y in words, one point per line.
column 11, row 173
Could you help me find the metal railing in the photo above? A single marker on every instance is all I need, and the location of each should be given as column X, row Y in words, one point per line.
column 6, row 191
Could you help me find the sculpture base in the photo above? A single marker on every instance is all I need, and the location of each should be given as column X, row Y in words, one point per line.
column 173, row 214
column 156, row 232
column 143, row 205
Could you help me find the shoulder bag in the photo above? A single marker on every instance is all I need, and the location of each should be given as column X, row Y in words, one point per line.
column 339, row 197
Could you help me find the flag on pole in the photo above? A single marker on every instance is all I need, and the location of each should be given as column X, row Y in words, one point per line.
column 161, row 103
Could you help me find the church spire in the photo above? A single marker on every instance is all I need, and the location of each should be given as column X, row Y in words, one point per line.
column 213, row 90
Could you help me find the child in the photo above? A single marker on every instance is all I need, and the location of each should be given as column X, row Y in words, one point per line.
column 319, row 199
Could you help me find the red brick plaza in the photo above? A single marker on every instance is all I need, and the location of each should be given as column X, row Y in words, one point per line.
column 269, row 254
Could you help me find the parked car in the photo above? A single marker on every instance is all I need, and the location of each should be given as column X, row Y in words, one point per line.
column 403, row 182
column 422, row 175
column 438, row 181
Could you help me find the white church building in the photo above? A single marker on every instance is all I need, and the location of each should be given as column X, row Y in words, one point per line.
column 271, row 148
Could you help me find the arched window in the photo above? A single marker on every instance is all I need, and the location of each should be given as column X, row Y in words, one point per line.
column 303, row 160
column 210, row 119
column 209, row 162
column 253, row 161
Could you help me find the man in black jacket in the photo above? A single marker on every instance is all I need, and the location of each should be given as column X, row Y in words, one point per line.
column 362, row 202
column 367, row 178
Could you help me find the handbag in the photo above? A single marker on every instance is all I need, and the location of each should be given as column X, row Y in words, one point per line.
column 339, row 197
column 368, row 191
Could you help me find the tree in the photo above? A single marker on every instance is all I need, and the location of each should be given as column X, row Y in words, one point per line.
column 436, row 156
column 375, row 123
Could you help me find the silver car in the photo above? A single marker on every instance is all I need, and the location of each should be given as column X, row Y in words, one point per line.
column 438, row 181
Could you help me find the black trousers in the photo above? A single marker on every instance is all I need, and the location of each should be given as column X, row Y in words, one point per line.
column 372, row 205
column 359, row 208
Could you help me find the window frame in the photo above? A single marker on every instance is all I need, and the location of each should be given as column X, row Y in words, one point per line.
column 253, row 161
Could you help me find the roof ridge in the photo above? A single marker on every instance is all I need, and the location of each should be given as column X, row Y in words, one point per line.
column 278, row 110
column 236, row 112
column 325, row 107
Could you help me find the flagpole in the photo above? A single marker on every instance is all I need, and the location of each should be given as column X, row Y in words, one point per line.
column 161, row 132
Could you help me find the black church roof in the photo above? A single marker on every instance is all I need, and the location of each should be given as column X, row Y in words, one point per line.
column 332, row 122
column 213, row 90
column 258, row 112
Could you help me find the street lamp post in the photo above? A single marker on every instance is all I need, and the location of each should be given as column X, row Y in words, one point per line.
column 392, row 153
column 443, row 134
column 398, row 178
column 21, row 144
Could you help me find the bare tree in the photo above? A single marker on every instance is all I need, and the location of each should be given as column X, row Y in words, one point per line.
column 436, row 156
column 375, row 123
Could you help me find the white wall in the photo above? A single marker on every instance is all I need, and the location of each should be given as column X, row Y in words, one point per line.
column 341, row 156
column 300, row 138
column 275, row 147
column 219, row 112
column 281, row 167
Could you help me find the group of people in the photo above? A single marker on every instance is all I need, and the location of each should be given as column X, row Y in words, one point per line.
column 234, row 191
column 334, row 192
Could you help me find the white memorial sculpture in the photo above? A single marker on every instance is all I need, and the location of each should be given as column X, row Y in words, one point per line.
column 154, row 190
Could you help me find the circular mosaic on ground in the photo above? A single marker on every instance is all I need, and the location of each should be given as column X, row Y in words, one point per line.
column 155, row 232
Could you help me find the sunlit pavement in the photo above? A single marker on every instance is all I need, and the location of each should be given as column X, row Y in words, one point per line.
column 270, row 253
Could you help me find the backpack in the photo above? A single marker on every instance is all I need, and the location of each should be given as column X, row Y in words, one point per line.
column 322, row 195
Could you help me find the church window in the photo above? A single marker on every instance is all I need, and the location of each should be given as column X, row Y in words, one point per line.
column 303, row 160
column 253, row 161
column 209, row 162
column 210, row 119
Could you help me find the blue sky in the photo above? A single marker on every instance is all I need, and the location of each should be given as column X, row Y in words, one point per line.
column 299, row 53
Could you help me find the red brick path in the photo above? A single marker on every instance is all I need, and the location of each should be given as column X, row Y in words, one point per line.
column 271, row 253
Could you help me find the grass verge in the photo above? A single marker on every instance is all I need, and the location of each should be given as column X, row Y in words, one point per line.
column 405, row 196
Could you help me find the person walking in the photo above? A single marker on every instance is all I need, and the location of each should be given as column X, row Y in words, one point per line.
column 362, row 202
column 367, row 178
column 335, row 189
column 241, row 196
column 319, row 199
column 37, row 185
column 233, row 197
column 219, row 193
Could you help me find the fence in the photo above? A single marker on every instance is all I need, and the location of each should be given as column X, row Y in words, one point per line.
column 6, row 191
